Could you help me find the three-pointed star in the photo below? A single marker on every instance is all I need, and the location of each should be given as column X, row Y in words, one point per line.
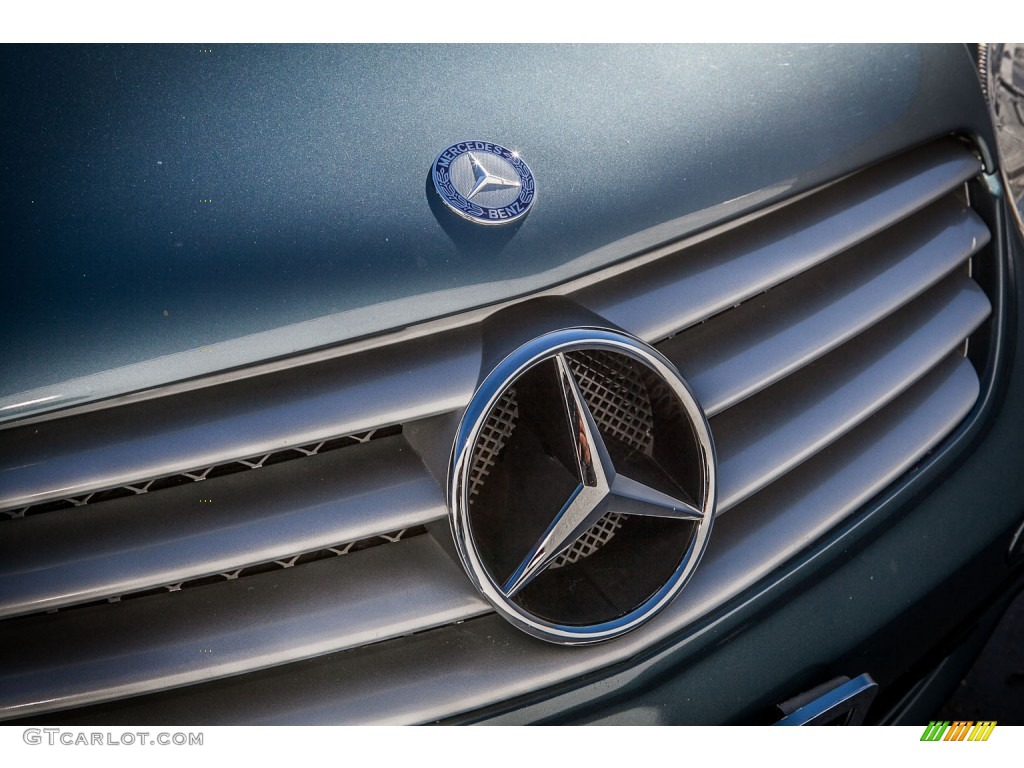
column 485, row 180
column 600, row 486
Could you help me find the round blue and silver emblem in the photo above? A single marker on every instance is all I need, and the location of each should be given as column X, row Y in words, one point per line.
column 484, row 182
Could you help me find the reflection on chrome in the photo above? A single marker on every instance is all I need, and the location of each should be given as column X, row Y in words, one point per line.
column 29, row 402
column 600, row 487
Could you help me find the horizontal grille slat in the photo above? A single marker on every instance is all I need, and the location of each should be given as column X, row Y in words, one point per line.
column 189, row 431
column 744, row 350
column 486, row 661
column 671, row 294
column 767, row 435
column 232, row 627
column 222, row 524
column 760, row 533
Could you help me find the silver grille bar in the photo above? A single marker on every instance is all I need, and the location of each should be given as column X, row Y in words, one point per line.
column 669, row 295
column 232, row 627
column 193, row 430
column 766, row 436
column 221, row 524
column 749, row 348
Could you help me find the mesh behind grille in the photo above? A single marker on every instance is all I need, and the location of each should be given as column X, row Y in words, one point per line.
column 617, row 396
column 493, row 436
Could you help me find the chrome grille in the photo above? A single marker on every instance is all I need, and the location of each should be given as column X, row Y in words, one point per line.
column 203, row 473
column 341, row 549
column 824, row 339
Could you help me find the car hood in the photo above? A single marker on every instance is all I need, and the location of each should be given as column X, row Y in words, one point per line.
column 173, row 211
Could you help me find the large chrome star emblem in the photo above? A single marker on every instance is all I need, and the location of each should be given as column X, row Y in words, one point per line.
column 600, row 491
column 582, row 486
